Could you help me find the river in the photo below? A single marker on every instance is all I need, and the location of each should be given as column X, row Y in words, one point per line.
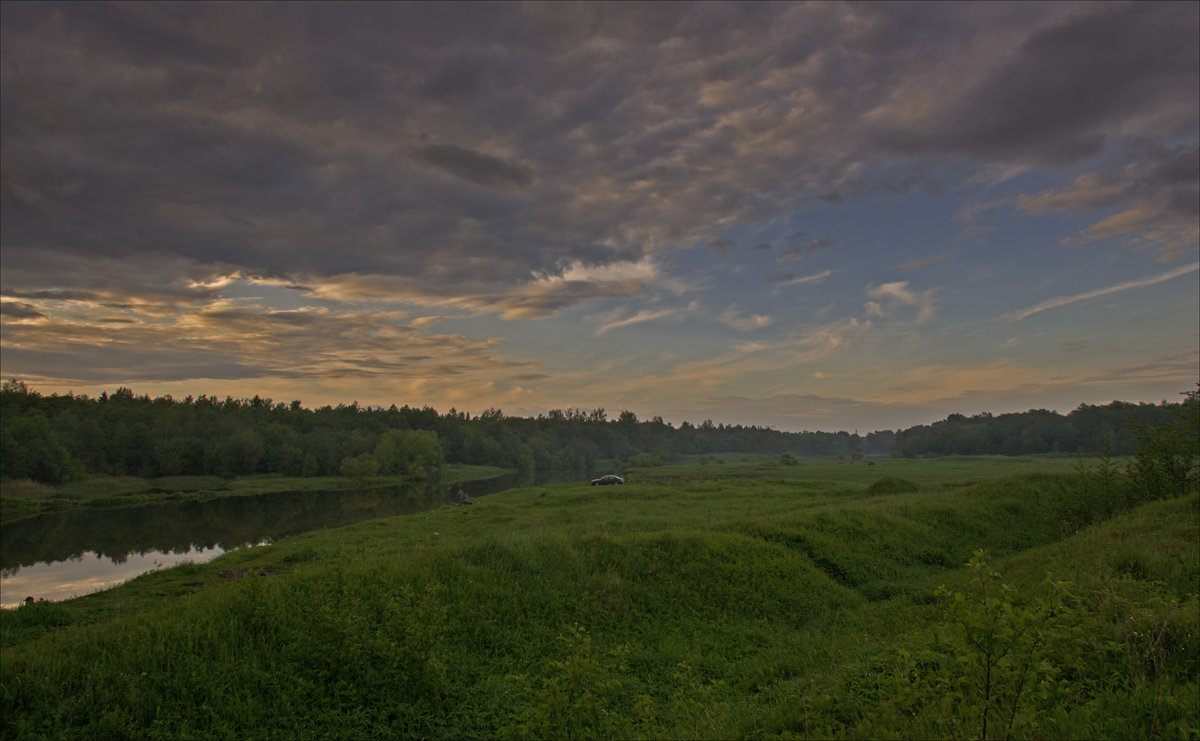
column 68, row 554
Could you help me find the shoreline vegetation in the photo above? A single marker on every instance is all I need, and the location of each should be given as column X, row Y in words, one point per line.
column 24, row 498
column 974, row 597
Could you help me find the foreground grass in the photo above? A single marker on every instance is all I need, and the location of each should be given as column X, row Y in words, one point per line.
column 770, row 607
column 24, row 498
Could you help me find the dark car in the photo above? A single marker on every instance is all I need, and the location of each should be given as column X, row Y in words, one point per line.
column 609, row 479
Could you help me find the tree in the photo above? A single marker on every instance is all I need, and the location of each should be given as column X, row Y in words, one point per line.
column 360, row 466
column 412, row 453
column 1167, row 453
column 30, row 449
column 236, row 454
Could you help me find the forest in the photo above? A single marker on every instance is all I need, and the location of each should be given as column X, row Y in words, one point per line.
column 55, row 438
column 1111, row 428
column 52, row 438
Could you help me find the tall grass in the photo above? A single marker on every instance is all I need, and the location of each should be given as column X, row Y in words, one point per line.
column 667, row 608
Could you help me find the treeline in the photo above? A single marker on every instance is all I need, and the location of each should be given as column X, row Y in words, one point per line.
column 55, row 438
column 1112, row 428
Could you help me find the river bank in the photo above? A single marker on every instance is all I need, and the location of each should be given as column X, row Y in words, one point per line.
column 23, row 498
column 97, row 543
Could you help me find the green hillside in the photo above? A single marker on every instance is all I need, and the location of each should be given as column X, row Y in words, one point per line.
column 716, row 603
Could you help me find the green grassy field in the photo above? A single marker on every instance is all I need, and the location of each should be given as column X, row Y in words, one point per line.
column 736, row 600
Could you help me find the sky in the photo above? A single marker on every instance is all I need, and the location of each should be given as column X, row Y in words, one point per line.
column 827, row 216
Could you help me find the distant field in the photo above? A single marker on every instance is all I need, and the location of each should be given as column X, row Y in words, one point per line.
column 739, row 600
column 952, row 470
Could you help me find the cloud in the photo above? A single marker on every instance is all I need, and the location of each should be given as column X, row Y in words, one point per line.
column 925, row 263
column 733, row 317
column 19, row 310
column 645, row 315
column 719, row 246
column 231, row 340
column 1056, row 302
column 889, row 298
column 791, row 279
column 1158, row 197
column 392, row 165
column 809, row 247
column 1061, row 94
column 543, row 295
column 592, row 135
column 477, row 167
column 1088, row 191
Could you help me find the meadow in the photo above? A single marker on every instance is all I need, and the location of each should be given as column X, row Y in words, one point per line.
column 945, row 598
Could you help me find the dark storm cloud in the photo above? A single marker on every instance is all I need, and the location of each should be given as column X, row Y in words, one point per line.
column 1066, row 84
column 463, row 150
column 1175, row 178
column 56, row 295
column 479, row 168
column 19, row 311
column 1180, row 164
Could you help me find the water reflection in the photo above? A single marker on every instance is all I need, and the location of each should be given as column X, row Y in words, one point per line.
column 61, row 555
column 88, row 572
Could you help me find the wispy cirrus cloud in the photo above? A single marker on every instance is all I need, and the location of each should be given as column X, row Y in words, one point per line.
column 733, row 317
column 789, row 278
column 1054, row 303
column 618, row 318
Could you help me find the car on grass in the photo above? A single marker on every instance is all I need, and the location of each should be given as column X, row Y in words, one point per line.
column 609, row 479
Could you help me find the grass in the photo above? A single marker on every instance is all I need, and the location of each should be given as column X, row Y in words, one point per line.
column 759, row 603
column 948, row 471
